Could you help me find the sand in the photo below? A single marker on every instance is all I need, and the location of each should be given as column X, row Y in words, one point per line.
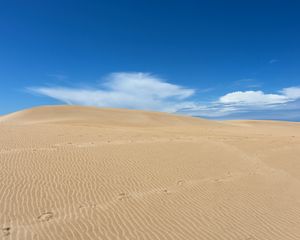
column 70, row 172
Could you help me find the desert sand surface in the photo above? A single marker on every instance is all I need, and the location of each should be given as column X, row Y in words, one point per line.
column 70, row 172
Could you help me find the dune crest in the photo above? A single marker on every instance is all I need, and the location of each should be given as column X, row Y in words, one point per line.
column 70, row 172
column 98, row 116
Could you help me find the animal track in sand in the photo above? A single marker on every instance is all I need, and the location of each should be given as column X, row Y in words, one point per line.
column 47, row 216
column 180, row 182
column 123, row 196
column 87, row 205
column 166, row 191
column 6, row 231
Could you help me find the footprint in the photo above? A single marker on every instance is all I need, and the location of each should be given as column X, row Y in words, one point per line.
column 180, row 182
column 6, row 231
column 123, row 196
column 45, row 217
column 166, row 191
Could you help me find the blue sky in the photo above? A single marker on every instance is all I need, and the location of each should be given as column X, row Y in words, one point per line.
column 217, row 59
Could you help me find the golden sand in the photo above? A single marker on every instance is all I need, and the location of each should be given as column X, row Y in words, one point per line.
column 70, row 172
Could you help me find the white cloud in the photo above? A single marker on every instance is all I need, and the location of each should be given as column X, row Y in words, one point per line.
column 148, row 92
column 125, row 90
column 145, row 84
column 253, row 98
column 291, row 92
column 259, row 98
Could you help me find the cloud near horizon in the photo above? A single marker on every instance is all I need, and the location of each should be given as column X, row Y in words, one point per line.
column 148, row 92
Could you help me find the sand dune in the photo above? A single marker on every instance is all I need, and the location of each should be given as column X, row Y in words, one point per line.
column 71, row 172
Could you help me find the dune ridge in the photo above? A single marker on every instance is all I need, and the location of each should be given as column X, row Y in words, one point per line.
column 70, row 172
column 92, row 115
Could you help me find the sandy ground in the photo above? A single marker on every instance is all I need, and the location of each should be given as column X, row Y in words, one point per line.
column 87, row 173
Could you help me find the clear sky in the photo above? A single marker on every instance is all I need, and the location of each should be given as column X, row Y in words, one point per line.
column 215, row 59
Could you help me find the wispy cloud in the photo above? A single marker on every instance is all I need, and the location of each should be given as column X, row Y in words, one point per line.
column 257, row 103
column 125, row 90
column 149, row 92
column 253, row 98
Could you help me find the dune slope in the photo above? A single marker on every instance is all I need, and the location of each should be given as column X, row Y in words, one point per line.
column 71, row 172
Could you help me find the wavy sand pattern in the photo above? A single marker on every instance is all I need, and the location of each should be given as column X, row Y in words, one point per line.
column 88, row 173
